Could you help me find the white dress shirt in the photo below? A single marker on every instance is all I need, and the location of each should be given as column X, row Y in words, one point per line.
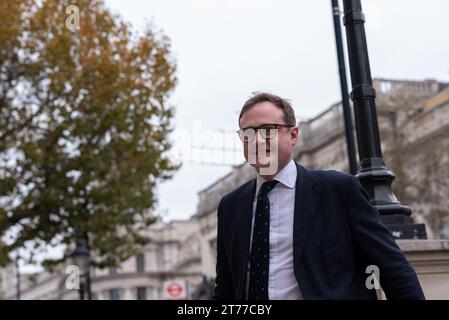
column 282, row 284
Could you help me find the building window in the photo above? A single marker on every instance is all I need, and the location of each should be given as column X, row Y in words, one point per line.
column 141, row 293
column 114, row 294
column 112, row 270
column 140, row 262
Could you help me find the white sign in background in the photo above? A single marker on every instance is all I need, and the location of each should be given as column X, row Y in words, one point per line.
column 175, row 290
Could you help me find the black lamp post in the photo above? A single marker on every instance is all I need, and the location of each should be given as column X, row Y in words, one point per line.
column 344, row 89
column 81, row 258
column 17, row 277
column 373, row 174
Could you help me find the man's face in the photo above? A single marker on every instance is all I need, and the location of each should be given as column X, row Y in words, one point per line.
column 267, row 113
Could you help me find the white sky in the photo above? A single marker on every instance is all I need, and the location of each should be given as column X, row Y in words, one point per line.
column 227, row 49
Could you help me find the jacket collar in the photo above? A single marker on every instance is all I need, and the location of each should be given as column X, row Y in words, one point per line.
column 286, row 177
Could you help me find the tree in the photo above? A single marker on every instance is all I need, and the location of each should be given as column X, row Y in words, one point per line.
column 84, row 125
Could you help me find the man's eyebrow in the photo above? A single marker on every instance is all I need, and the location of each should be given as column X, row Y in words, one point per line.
column 263, row 124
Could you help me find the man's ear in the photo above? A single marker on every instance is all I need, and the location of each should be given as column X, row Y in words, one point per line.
column 294, row 135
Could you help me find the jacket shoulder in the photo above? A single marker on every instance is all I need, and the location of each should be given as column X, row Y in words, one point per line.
column 331, row 178
column 234, row 194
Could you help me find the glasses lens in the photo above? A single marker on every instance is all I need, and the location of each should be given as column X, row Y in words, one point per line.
column 268, row 131
column 247, row 135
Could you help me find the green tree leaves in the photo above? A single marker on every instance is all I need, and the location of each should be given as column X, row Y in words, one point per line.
column 83, row 128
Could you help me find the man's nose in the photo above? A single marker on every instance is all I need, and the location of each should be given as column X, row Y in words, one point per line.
column 259, row 138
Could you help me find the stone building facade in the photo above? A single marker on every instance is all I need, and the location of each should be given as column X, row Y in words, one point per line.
column 173, row 254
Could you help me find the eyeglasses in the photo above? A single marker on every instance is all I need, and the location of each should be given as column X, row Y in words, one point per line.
column 266, row 131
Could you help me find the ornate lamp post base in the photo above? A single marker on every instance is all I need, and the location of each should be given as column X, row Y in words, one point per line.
column 373, row 174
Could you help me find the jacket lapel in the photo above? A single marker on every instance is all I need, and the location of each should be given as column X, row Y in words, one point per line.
column 244, row 209
column 306, row 202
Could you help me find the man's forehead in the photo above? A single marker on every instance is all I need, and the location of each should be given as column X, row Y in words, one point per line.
column 264, row 111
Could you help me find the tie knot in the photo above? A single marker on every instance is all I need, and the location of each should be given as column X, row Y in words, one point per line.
column 267, row 187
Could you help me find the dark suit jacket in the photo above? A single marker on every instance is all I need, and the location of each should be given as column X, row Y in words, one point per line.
column 336, row 235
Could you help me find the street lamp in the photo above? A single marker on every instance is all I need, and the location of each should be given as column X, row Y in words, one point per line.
column 373, row 174
column 81, row 258
column 344, row 89
column 17, row 277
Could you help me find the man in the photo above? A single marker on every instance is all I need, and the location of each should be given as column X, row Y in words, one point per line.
column 295, row 233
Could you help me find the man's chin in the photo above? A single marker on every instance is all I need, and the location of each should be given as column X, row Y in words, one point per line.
column 260, row 164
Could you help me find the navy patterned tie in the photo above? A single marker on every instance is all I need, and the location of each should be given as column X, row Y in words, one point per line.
column 260, row 247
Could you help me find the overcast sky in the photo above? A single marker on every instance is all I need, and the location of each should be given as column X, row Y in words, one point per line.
column 227, row 49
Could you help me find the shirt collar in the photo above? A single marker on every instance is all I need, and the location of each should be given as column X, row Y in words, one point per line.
column 287, row 176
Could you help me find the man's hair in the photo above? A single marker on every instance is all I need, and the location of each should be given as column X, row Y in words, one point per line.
column 283, row 104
